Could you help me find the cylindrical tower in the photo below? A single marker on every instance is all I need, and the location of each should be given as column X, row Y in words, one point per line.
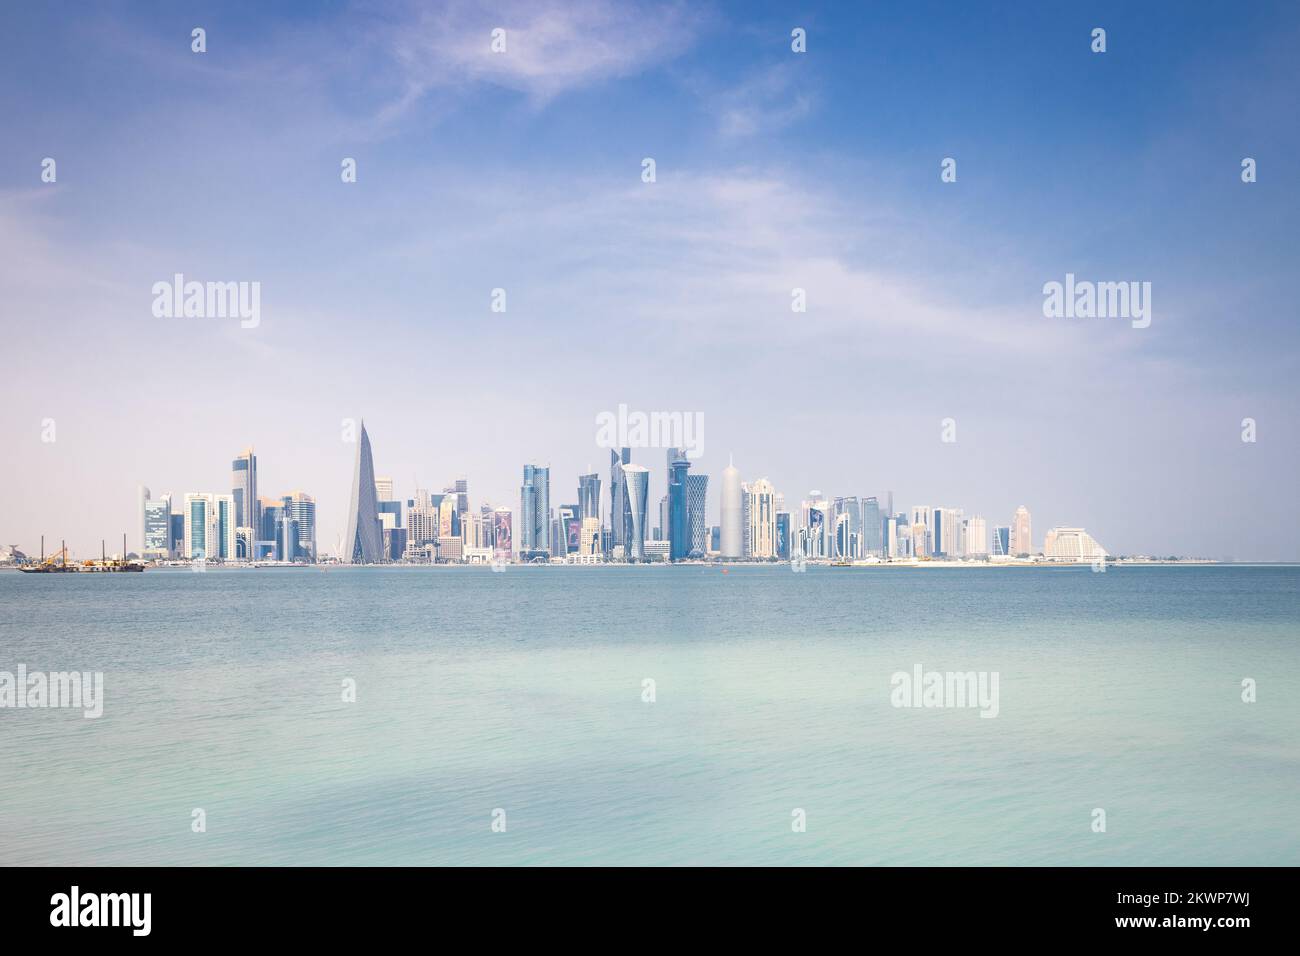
column 732, row 535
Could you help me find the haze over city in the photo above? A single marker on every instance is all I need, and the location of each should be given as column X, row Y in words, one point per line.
column 774, row 171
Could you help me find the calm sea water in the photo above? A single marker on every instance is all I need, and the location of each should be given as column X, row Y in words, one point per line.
column 523, row 691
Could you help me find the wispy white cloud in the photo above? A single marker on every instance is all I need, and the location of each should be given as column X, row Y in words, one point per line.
column 764, row 102
column 550, row 47
column 716, row 255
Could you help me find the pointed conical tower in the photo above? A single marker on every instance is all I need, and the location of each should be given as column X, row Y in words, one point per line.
column 365, row 541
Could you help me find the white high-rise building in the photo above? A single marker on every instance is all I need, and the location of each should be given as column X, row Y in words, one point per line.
column 762, row 520
column 1022, row 537
column 732, row 534
column 142, row 496
column 977, row 536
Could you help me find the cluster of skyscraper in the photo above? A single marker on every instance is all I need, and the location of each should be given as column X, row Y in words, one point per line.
column 755, row 522
column 683, row 532
column 238, row 526
column 430, row 528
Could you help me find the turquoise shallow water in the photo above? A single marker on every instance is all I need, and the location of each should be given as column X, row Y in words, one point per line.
column 523, row 691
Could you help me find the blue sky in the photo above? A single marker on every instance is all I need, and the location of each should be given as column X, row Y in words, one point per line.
column 774, row 170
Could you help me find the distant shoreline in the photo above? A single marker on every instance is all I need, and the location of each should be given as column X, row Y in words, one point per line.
column 738, row 565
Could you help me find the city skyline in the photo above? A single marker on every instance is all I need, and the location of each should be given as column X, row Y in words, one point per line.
column 289, row 526
column 774, row 172
column 753, row 521
column 538, row 519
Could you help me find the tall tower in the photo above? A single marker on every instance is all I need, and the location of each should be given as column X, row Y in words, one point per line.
column 732, row 533
column 619, row 515
column 872, row 528
column 697, row 489
column 679, row 534
column 157, row 528
column 977, row 536
column 638, row 491
column 589, row 496
column 198, row 508
column 762, row 519
column 143, row 498
column 535, row 509
column 301, row 508
column 365, row 541
column 1022, row 538
column 243, row 483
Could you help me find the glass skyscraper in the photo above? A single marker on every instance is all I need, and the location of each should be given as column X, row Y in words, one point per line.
column 872, row 528
column 243, row 482
column 620, row 514
column 209, row 526
column 535, row 511
column 301, row 510
column 637, row 493
column 679, row 536
column 196, row 526
column 589, row 496
column 176, row 543
column 697, row 487
column 225, row 527
column 286, row 544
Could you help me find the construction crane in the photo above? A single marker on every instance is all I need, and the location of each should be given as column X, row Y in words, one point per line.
column 56, row 562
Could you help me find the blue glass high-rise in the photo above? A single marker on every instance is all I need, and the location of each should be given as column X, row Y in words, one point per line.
column 535, row 511
column 679, row 536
